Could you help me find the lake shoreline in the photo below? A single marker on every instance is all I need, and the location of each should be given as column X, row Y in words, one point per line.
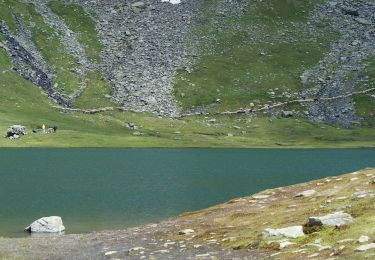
column 230, row 229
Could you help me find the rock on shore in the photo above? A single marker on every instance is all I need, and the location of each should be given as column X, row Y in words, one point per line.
column 51, row 224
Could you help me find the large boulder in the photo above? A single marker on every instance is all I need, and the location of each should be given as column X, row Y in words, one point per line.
column 51, row 224
column 15, row 130
column 336, row 219
column 288, row 232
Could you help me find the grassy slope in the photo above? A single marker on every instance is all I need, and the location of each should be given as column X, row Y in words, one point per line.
column 46, row 40
column 240, row 68
column 80, row 22
column 239, row 223
column 23, row 103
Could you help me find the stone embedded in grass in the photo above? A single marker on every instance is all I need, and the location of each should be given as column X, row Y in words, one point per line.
column 363, row 239
column 284, row 244
column 363, row 194
column 186, row 232
column 110, row 253
column 51, row 224
column 306, row 193
column 365, row 247
column 336, row 219
column 288, row 232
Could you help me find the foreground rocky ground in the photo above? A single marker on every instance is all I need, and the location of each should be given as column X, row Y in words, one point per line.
column 282, row 223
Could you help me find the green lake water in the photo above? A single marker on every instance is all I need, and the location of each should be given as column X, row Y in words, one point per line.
column 95, row 189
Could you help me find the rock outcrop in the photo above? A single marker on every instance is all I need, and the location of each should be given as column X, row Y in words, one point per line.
column 15, row 131
column 336, row 219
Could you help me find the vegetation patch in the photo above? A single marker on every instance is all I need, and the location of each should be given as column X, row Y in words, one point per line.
column 267, row 47
column 81, row 23
column 96, row 93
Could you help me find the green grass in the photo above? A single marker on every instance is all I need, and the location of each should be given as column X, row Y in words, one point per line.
column 23, row 103
column 238, row 69
column 80, row 22
column 233, row 73
column 47, row 41
column 94, row 94
column 245, row 221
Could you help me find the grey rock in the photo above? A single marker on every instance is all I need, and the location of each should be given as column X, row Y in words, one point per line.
column 365, row 247
column 288, row 232
column 363, row 21
column 336, row 219
column 363, row 194
column 51, row 224
column 287, row 114
column 363, row 239
column 138, row 4
column 306, row 193
column 15, row 131
column 186, row 231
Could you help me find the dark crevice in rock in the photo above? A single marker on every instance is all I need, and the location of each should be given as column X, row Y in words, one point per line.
column 29, row 67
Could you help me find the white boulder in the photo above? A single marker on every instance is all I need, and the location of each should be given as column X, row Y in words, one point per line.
column 306, row 193
column 51, row 224
column 288, row 232
column 186, row 231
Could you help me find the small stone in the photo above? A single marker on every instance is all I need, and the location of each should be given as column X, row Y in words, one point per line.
column 186, row 232
column 363, row 21
column 260, row 197
column 138, row 4
column 169, row 244
column 287, row 114
column 110, row 253
column 285, row 244
column 363, row 239
column 306, row 193
column 363, row 194
column 202, row 255
column 365, row 247
column 288, row 232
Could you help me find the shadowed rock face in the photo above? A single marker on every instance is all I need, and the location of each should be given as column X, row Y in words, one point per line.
column 29, row 67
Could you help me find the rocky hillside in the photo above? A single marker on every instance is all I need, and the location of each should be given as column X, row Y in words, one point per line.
column 331, row 218
column 312, row 61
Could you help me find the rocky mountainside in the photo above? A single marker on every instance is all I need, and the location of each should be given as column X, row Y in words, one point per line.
column 313, row 61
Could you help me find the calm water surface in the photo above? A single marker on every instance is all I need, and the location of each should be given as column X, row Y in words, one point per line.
column 94, row 189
